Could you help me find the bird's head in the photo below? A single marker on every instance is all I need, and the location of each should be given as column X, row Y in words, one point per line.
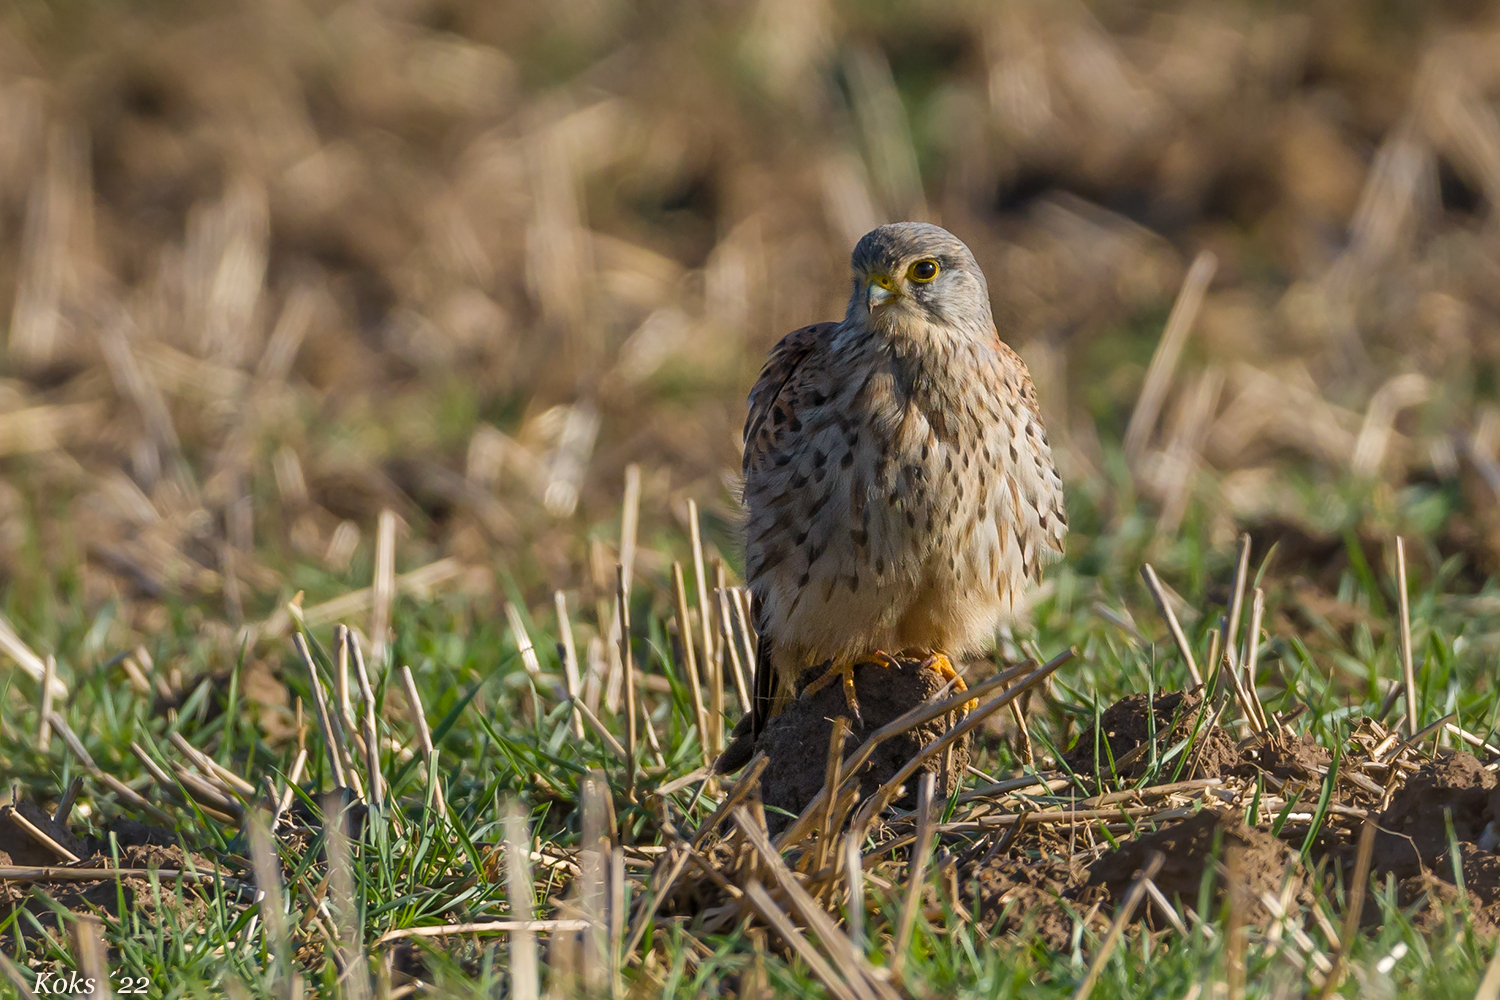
column 911, row 277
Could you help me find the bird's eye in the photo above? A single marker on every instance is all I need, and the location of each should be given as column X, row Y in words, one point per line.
column 923, row 270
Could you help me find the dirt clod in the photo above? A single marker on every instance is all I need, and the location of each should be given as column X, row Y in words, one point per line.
column 1191, row 848
column 1430, row 896
column 1041, row 895
column 1414, row 827
column 796, row 741
column 1297, row 759
column 1128, row 725
column 23, row 849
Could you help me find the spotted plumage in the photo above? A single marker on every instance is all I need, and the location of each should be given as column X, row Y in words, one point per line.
column 899, row 488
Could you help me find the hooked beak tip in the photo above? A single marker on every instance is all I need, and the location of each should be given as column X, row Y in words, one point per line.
column 877, row 295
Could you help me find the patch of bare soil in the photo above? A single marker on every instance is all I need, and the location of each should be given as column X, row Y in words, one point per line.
column 1048, row 895
column 1431, row 895
column 140, row 847
column 1450, row 802
column 1120, row 745
column 18, row 847
column 1045, row 862
column 1455, row 790
column 122, row 896
column 796, row 741
column 1044, row 896
column 1194, row 849
column 1444, row 803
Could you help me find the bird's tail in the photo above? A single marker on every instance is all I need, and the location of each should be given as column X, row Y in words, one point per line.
column 769, row 698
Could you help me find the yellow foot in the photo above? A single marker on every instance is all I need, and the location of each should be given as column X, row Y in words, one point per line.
column 938, row 661
column 843, row 669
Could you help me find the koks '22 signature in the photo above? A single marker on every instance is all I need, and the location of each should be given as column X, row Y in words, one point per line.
column 73, row 984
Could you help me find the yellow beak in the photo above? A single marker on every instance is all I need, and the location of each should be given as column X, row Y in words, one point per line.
column 879, row 291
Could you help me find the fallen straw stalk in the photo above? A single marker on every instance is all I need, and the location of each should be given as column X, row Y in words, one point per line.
column 916, row 870
column 855, row 968
column 1055, row 784
column 180, row 792
column 1093, row 808
column 1167, row 910
column 485, row 927
column 678, row 784
column 1069, row 816
column 32, row 873
column 673, row 868
column 748, row 780
column 599, row 728
column 1471, row 739
column 12, row 646
column 206, row 792
column 782, row 925
column 1052, row 781
column 212, row 768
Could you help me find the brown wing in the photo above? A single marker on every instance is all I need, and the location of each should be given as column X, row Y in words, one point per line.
column 772, row 407
column 1047, row 485
column 766, row 399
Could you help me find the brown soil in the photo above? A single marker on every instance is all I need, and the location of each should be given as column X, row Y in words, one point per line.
column 1042, row 896
column 1127, row 725
column 1193, row 847
column 1431, row 895
column 1414, row 827
column 17, row 845
column 1031, row 886
column 1291, row 759
column 140, row 846
column 796, row 741
column 1053, row 877
column 113, row 895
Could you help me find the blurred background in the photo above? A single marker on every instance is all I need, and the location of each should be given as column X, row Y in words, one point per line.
column 269, row 269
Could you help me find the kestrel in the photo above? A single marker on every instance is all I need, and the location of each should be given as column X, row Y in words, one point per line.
column 900, row 492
